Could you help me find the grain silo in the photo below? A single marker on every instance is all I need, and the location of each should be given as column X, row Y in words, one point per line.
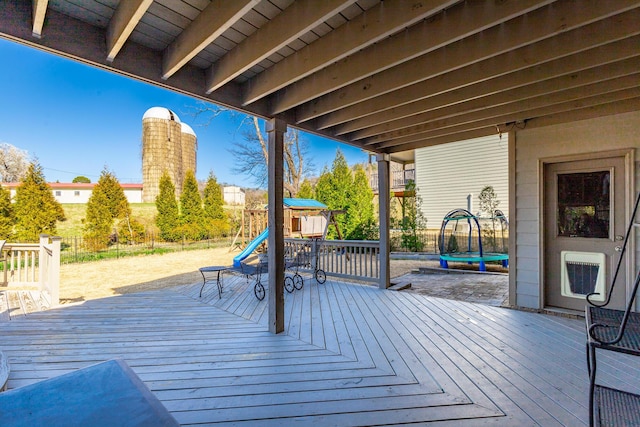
column 163, row 150
column 189, row 148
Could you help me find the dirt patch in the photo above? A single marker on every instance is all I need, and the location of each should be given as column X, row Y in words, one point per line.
column 99, row 279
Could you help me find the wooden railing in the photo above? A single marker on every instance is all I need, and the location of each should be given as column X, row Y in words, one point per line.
column 33, row 266
column 350, row 259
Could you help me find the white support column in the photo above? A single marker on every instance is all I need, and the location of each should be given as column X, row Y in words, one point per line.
column 384, row 200
column 276, row 129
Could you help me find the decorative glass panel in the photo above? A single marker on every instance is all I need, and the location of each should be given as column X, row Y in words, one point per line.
column 584, row 204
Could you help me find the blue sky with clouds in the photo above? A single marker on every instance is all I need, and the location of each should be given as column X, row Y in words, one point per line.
column 76, row 119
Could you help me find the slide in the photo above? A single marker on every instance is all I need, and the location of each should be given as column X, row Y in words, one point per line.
column 250, row 248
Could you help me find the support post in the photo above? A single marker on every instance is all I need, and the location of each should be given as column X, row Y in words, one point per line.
column 384, row 199
column 276, row 129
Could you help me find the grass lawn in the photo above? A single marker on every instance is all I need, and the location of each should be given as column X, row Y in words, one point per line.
column 75, row 213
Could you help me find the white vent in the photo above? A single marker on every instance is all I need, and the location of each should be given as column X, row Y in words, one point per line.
column 583, row 273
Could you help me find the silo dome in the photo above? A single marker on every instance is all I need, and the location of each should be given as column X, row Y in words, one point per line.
column 187, row 129
column 161, row 113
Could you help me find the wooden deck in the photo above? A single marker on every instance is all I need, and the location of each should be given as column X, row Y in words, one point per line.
column 351, row 355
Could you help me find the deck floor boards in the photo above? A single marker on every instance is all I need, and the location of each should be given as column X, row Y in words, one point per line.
column 350, row 355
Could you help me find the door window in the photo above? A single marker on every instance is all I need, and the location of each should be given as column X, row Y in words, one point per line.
column 584, row 204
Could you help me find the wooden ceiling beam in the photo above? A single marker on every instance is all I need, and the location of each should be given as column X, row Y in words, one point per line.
column 589, row 112
column 124, row 20
column 459, row 85
column 39, row 12
column 503, row 98
column 601, row 93
column 365, row 29
column 214, row 20
column 428, row 142
column 533, row 28
column 447, row 27
column 299, row 18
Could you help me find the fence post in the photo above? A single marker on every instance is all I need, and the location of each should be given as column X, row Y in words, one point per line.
column 75, row 248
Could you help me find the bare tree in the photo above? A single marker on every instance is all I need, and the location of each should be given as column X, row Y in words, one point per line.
column 14, row 163
column 252, row 157
column 251, row 154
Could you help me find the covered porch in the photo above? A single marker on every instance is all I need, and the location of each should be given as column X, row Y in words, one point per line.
column 351, row 354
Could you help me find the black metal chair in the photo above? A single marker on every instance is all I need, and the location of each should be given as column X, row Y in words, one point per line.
column 618, row 331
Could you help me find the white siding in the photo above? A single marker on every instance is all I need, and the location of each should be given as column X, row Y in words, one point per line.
column 81, row 195
column 446, row 174
column 233, row 195
column 531, row 145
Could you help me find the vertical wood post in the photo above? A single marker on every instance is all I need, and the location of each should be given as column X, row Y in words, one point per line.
column 54, row 271
column 276, row 129
column 42, row 262
column 384, row 200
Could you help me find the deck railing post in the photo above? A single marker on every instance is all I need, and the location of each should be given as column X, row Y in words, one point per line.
column 276, row 129
column 54, row 271
column 42, row 261
column 384, row 197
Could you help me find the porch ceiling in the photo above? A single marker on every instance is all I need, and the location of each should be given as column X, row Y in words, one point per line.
column 388, row 76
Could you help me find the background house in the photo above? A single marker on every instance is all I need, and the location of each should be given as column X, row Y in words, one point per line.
column 80, row 192
column 450, row 176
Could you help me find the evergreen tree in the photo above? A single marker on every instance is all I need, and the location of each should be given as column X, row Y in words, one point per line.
column 191, row 211
column 333, row 190
column 306, row 190
column 413, row 219
column 341, row 183
column 167, row 220
column 360, row 219
column 36, row 210
column 97, row 222
column 216, row 219
column 7, row 217
column 213, row 200
column 106, row 204
column 118, row 205
column 323, row 187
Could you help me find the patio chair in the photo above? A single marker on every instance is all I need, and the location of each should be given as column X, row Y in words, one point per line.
column 617, row 331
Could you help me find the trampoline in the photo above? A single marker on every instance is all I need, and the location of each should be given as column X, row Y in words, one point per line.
column 461, row 237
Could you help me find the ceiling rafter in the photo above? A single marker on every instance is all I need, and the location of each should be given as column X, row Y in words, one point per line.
column 214, row 20
column 451, row 88
column 534, row 27
column 593, row 111
column 124, row 20
column 299, row 18
column 365, row 29
column 39, row 12
column 395, row 50
column 521, row 111
column 382, row 75
column 455, row 106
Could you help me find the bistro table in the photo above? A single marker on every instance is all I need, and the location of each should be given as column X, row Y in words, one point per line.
column 207, row 276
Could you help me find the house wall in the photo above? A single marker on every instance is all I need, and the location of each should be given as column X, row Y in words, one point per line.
column 446, row 174
column 233, row 195
column 529, row 147
column 81, row 193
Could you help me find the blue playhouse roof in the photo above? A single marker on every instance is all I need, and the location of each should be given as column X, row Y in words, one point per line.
column 303, row 204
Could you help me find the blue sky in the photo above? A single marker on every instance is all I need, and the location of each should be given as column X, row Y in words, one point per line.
column 76, row 119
